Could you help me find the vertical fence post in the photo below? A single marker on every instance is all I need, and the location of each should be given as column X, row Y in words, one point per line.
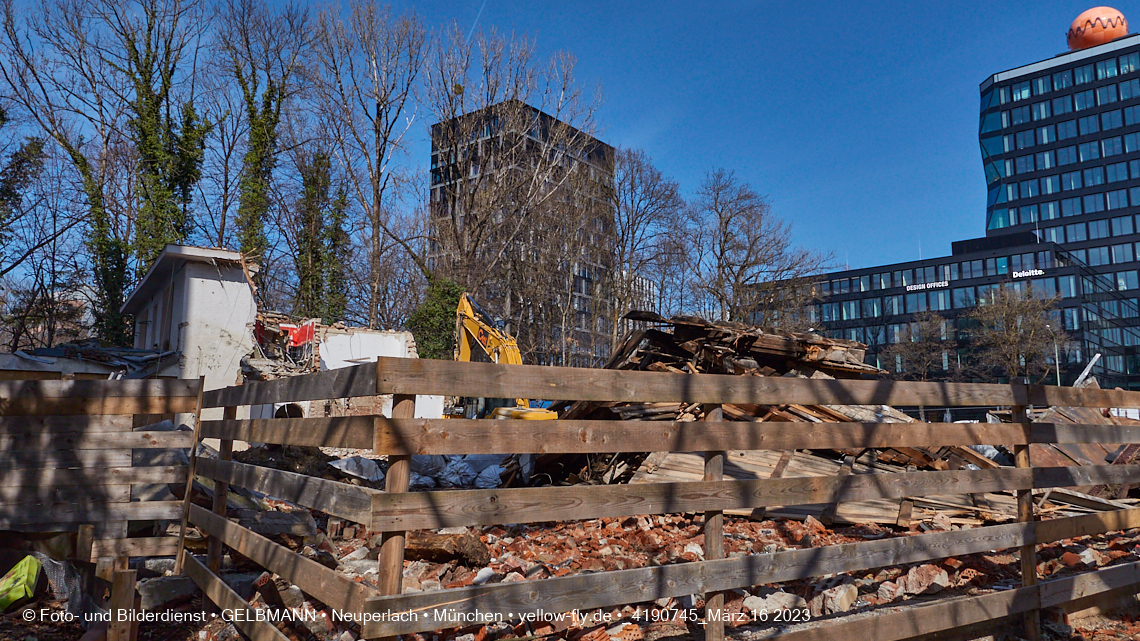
column 1025, row 515
column 122, row 602
column 399, row 473
column 221, row 491
column 714, row 537
column 190, row 476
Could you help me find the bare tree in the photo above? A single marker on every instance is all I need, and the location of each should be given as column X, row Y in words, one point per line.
column 1013, row 335
column 364, row 75
column 743, row 259
column 917, row 352
column 646, row 209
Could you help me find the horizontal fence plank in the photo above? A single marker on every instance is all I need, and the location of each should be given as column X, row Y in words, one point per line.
column 1069, row 528
column 33, row 478
column 1083, row 433
column 151, row 387
column 1055, row 593
column 45, row 459
column 332, row 589
column 471, row 436
column 229, row 601
column 449, row 378
column 640, row 585
column 1076, row 476
column 23, row 425
column 141, row 546
column 57, row 513
column 349, row 382
column 450, row 508
column 23, row 406
column 342, row 431
column 96, row 441
column 95, row 492
column 339, row 499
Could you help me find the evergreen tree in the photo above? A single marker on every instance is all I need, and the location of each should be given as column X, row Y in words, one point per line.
column 310, row 256
column 337, row 246
column 257, row 166
column 433, row 322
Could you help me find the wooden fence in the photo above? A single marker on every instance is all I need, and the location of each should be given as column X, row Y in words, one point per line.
column 66, row 464
column 396, row 510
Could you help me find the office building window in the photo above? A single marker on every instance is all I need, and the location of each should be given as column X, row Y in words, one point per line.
column 1023, row 164
column 940, row 300
column 1028, row 213
column 1094, row 176
column 1067, row 286
column 872, row 307
column 1098, row 256
column 1003, row 95
column 1021, row 91
column 1131, row 142
column 1070, row 207
column 1062, row 105
column 1076, row 232
column 1071, row 180
column 1050, row 210
column 1106, row 95
column 1067, row 155
column 1134, row 168
column 1024, row 139
column 1098, row 229
column 1088, row 151
column 1093, row 203
column 1046, row 135
column 1132, row 115
column 1083, row 75
column 1044, row 160
column 1071, row 318
column 1122, row 253
column 916, row 303
column 1029, row 188
column 1111, row 120
column 1117, row 199
column 1041, row 111
column 1126, row 280
column 1106, row 69
column 1134, row 195
column 1122, row 226
column 1066, row 130
column 1019, row 115
column 1112, row 146
column 1021, row 262
column 849, row 309
column 1116, row 172
column 1049, row 185
column 1084, row 100
column 1088, row 125
column 1130, row 89
column 1040, row 85
column 963, row 297
column 893, row 305
column 1064, row 80
column 864, row 283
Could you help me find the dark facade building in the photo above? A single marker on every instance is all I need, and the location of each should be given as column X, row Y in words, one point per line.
column 1060, row 144
column 520, row 210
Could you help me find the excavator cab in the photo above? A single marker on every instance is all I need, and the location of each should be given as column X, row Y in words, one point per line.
column 475, row 327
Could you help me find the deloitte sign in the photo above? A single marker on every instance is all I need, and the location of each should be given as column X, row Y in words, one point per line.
column 1029, row 272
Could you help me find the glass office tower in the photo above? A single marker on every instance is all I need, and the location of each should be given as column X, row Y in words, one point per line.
column 1060, row 145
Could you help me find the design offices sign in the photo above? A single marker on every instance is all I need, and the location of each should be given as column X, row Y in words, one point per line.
column 935, row 285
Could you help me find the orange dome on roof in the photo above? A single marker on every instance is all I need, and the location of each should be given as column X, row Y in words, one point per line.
column 1096, row 27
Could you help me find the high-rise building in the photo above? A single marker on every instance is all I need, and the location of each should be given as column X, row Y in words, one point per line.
column 1060, row 144
column 520, row 214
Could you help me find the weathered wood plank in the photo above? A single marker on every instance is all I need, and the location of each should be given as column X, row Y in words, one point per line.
column 1072, row 527
column 472, row 436
column 95, row 440
column 348, row 382
column 55, row 513
column 428, row 510
column 18, row 425
column 339, row 499
column 140, row 546
column 150, row 387
column 121, row 605
column 343, row 431
column 425, row 376
column 1085, row 475
column 228, row 600
column 646, row 584
column 83, row 476
column 1054, row 593
column 330, row 588
column 32, row 405
column 96, row 492
column 37, row 459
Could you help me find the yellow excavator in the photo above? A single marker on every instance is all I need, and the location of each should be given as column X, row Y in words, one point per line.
column 474, row 326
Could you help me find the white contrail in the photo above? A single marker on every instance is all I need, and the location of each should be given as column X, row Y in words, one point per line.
column 474, row 24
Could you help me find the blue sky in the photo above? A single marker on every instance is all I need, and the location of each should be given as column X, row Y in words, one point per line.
column 857, row 120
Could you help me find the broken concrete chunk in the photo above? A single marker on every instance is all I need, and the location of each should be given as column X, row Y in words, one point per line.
column 925, row 579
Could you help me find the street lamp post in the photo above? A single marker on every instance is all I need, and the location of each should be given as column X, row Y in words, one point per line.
column 1056, row 356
